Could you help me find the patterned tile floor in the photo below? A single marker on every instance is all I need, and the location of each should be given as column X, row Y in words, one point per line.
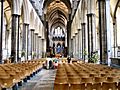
column 44, row 80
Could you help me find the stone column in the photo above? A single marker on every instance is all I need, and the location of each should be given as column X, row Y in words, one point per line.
column 15, row 38
column 36, row 44
column 109, row 42
column 25, row 40
column 91, row 34
column 71, row 47
column 1, row 27
column 47, row 37
column 29, row 44
column 83, row 40
column 42, row 48
column 7, row 36
column 68, row 35
column 78, row 47
column 74, row 46
column 32, row 42
column 77, row 39
column 115, row 36
column 102, row 31
column 79, row 43
column 35, row 34
column 39, row 46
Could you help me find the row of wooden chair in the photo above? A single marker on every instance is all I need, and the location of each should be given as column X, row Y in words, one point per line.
column 64, row 60
column 88, row 86
column 77, row 76
column 14, row 73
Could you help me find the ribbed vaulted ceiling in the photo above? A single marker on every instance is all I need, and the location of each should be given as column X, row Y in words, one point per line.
column 57, row 13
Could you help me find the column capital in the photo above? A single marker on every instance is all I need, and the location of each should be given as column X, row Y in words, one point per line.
column 32, row 29
column 26, row 24
column 90, row 14
column 114, row 23
column 36, row 33
column 16, row 15
column 83, row 23
column 76, row 33
column 100, row 0
column 73, row 36
column 114, row 20
column 39, row 36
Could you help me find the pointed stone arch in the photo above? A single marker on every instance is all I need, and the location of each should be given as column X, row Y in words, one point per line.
column 26, row 15
column 40, row 29
column 83, row 10
column 7, row 12
column 36, row 25
column 32, row 18
column 16, row 6
column 60, row 10
column 47, row 2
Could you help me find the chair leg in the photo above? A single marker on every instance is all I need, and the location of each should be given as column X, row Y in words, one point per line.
column 89, row 86
column 74, row 87
column 20, row 83
column 61, row 87
column 25, row 79
column 82, row 86
column 15, row 87
column 107, row 86
column 97, row 86
column 4, row 89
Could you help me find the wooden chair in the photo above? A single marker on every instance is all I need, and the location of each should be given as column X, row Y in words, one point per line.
column 87, row 81
column 61, row 84
column 96, row 86
column 109, row 85
column 74, row 83
column 112, row 79
column 118, row 86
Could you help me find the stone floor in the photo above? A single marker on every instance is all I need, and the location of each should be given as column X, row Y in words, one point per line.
column 44, row 80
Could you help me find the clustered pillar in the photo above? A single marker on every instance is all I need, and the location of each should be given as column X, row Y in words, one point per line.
column 74, row 46
column 39, row 46
column 102, row 31
column 36, row 45
column 25, row 40
column 32, row 42
column 15, row 38
column 1, row 29
column 76, row 42
column 91, row 34
column 80, row 43
column 42, row 47
column 115, row 35
column 83, row 40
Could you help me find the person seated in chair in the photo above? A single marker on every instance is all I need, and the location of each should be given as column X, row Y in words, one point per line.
column 69, row 59
column 51, row 65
